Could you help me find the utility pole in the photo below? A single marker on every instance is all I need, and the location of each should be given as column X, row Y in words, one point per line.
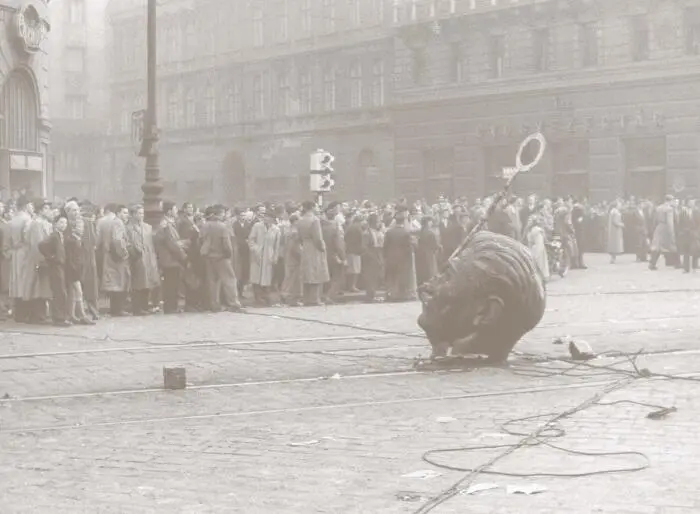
column 152, row 187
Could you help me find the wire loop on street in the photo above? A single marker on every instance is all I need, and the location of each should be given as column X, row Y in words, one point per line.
column 550, row 430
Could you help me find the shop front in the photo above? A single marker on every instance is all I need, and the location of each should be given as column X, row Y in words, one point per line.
column 24, row 127
column 627, row 139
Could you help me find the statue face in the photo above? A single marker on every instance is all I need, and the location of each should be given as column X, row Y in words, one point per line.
column 493, row 295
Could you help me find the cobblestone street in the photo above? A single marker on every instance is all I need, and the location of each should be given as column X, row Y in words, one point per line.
column 302, row 410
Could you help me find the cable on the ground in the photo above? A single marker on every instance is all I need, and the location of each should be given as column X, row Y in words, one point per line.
column 534, row 437
column 551, row 430
column 336, row 324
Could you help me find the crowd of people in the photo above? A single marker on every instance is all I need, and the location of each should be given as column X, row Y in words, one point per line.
column 58, row 261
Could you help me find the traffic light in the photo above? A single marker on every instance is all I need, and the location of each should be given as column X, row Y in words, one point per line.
column 321, row 180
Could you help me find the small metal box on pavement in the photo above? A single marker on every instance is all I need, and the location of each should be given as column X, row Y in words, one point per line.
column 174, row 378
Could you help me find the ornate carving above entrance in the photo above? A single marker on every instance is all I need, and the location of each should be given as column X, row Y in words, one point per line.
column 31, row 27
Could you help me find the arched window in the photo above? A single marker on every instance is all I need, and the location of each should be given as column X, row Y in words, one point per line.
column 356, row 85
column 18, row 113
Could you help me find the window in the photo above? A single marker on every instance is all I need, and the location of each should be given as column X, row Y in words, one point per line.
column 540, row 47
column 259, row 107
column 418, row 66
column 588, row 38
column 209, row 106
column 190, row 109
column 305, row 92
column 77, row 12
column 379, row 10
column 283, row 23
column 497, row 54
column 692, row 31
column 640, row 38
column 190, row 41
column 233, row 103
column 174, row 44
column 356, row 85
column 125, row 122
column 75, row 60
column 396, row 10
column 306, row 17
column 378, row 84
column 258, row 28
column 355, row 7
column 329, row 89
column 456, row 62
column 328, row 15
column 285, row 95
column 76, row 107
column 173, row 109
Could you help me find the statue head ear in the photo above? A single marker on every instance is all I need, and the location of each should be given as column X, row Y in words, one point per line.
column 490, row 311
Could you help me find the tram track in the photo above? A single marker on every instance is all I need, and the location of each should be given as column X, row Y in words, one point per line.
column 210, row 416
column 150, row 347
column 200, row 344
column 392, row 373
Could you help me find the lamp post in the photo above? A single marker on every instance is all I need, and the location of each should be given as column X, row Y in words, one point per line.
column 152, row 187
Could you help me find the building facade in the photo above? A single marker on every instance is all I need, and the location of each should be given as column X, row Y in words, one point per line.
column 24, row 126
column 78, row 98
column 612, row 85
column 247, row 90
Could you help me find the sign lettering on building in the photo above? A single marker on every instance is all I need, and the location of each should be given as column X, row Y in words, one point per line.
column 31, row 30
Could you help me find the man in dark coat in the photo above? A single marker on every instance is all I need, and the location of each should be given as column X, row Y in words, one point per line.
column 242, row 226
column 452, row 234
column 398, row 248
column 172, row 258
column 689, row 235
column 216, row 252
column 335, row 252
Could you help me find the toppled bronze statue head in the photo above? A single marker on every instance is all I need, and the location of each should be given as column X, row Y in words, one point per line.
column 492, row 294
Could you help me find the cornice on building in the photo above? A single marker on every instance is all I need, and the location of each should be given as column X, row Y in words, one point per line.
column 587, row 79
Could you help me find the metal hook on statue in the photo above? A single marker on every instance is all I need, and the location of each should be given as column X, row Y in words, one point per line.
column 509, row 175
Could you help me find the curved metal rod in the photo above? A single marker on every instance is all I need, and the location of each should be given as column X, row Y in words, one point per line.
column 496, row 198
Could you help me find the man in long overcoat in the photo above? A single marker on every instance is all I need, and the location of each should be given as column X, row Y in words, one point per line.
column 172, row 257
column 116, row 272
column 664, row 239
column 38, row 284
column 689, row 235
column 334, row 240
column 398, row 259
column 89, row 280
column 264, row 243
column 102, row 225
column 314, row 265
column 217, row 252
column 18, row 250
column 4, row 261
column 145, row 276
